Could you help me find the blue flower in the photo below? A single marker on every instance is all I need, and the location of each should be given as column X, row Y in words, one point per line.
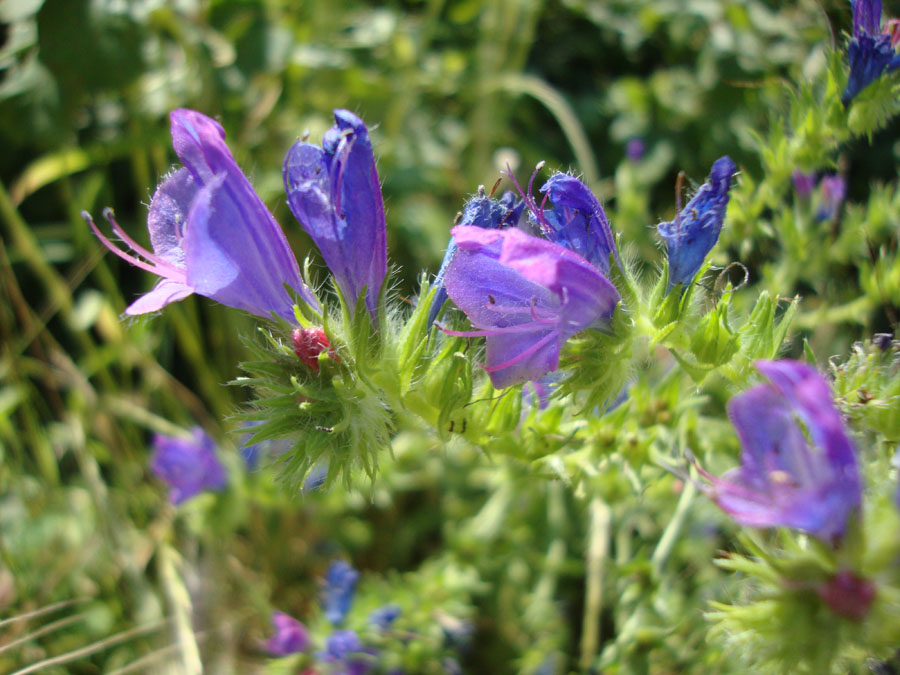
column 871, row 51
column 480, row 211
column 188, row 466
column 340, row 583
column 346, row 654
column 782, row 480
column 384, row 616
column 695, row 230
column 527, row 296
column 575, row 218
column 290, row 635
column 211, row 233
column 335, row 193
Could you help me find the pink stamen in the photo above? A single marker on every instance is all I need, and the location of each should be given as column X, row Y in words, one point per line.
column 137, row 262
column 524, row 355
column 137, row 248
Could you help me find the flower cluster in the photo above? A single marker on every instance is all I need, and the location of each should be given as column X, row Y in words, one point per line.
column 188, row 465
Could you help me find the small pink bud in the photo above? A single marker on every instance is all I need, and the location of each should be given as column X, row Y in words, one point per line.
column 848, row 595
column 308, row 344
column 892, row 28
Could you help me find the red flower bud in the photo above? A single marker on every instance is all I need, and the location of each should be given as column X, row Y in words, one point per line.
column 308, row 344
column 848, row 595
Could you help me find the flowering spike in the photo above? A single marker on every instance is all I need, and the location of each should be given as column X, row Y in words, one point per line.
column 695, row 230
column 211, row 233
column 189, row 466
column 335, row 193
column 290, row 635
column 871, row 51
column 527, row 296
column 782, row 481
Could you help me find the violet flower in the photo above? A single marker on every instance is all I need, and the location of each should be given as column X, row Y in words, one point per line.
column 527, row 296
column 871, row 50
column 188, row 466
column 782, row 480
column 211, row 233
column 290, row 635
column 634, row 149
column 803, row 182
column 832, row 191
column 335, row 193
column 340, row 583
column 480, row 211
column 695, row 230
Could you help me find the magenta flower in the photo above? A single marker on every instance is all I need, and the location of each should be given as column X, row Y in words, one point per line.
column 335, row 193
column 527, row 296
column 211, row 233
column 803, row 182
column 188, row 466
column 783, row 481
column 691, row 236
column 290, row 635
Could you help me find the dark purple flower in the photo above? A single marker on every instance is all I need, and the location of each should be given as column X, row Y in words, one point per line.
column 340, row 583
column 347, row 654
column 211, row 233
column 189, row 466
column 871, row 51
column 803, row 182
column 384, row 616
column 832, row 189
column 527, row 296
column 695, row 230
column 634, row 149
column 290, row 635
column 782, row 480
column 480, row 211
column 335, row 193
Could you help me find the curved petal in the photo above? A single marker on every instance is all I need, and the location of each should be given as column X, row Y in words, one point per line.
column 166, row 291
column 168, row 213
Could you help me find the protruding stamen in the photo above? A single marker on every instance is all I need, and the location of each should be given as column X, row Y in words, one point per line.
column 110, row 216
column 496, row 185
column 481, row 192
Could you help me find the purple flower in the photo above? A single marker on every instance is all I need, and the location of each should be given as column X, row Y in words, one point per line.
column 871, row 51
column 384, row 616
column 634, row 149
column 189, row 466
column 803, row 182
column 782, row 480
column 211, row 233
column 340, row 582
column 344, row 650
column 833, row 189
column 290, row 635
column 480, row 211
column 695, row 230
column 335, row 193
column 527, row 296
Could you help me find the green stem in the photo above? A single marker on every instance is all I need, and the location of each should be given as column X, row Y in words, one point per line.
column 673, row 529
column 598, row 548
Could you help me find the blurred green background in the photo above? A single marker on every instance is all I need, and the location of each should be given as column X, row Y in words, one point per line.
column 454, row 90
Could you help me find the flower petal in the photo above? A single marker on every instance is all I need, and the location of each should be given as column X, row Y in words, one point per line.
column 166, row 291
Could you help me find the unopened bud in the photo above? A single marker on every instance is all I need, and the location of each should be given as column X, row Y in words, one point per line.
column 848, row 595
column 308, row 344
